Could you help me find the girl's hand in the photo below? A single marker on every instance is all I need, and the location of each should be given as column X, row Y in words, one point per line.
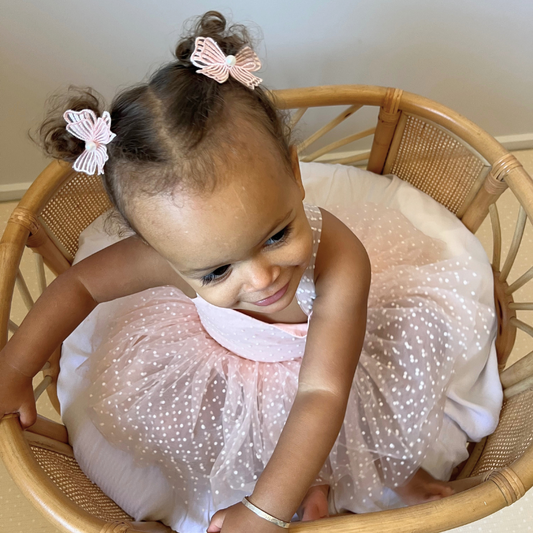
column 238, row 519
column 16, row 394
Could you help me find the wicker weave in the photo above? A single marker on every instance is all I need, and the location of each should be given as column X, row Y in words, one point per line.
column 72, row 209
column 67, row 475
column 426, row 150
column 513, row 436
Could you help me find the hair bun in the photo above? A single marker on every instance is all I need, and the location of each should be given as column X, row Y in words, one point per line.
column 213, row 24
column 54, row 138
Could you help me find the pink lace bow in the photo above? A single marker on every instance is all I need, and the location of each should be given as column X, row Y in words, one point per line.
column 96, row 133
column 215, row 64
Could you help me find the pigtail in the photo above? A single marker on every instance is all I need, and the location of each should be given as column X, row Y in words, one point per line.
column 193, row 106
column 212, row 24
column 53, row 136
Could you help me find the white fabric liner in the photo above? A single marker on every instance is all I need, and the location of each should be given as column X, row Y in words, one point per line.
column 474, row 396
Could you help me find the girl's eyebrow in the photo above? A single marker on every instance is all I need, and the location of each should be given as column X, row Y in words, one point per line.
column 269, row 232
column 277, row 223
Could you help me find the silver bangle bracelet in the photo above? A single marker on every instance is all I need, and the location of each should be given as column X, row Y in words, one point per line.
column 259, row 512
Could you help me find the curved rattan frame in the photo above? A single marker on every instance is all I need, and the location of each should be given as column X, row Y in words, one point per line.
column 498, row 489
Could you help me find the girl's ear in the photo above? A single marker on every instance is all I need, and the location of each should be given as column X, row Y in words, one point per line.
column 295, row 164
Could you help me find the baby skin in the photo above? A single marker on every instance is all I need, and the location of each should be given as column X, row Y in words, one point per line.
column 422, row 487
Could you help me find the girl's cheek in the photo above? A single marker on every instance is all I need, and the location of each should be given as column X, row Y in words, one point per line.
column 218, row 296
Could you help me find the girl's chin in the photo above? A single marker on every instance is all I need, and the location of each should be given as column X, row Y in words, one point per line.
column 271, row 309
column 263, row 309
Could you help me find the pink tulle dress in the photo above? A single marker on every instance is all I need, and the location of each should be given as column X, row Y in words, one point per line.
column 203, row 392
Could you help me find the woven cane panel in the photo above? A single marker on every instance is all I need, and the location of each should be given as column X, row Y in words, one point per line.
column 67, row 475
column 73, row 208
column 512, row 437
column 436, row 163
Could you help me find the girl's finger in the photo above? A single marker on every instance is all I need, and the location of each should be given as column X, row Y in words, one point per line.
column 216, row 522
column 28, row 415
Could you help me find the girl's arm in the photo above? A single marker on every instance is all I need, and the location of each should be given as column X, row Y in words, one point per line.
column 334, row 343
column 124, row 268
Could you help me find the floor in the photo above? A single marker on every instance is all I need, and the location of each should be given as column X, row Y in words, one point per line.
column 17, row 515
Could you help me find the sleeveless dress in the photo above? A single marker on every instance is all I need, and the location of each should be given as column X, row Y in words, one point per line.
column 203, row 392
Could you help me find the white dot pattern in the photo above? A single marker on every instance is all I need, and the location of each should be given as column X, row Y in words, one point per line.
column 204, row 392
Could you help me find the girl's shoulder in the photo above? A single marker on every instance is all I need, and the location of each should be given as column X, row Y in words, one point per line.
column 126, row 267
column 341, row 258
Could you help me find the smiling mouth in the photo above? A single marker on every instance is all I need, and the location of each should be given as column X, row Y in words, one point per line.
column 274, row 298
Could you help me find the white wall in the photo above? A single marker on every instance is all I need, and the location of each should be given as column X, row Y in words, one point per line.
column 475, row 56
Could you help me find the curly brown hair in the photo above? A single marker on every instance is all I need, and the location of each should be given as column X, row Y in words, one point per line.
column 171, row 130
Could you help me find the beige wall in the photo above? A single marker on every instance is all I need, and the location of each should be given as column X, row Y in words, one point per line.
column 472, row 55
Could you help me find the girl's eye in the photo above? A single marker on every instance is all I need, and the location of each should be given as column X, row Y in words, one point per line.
column 215, row 275
column 279, row 236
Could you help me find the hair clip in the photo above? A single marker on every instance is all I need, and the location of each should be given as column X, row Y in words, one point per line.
column 96, row 132
column 215, row 64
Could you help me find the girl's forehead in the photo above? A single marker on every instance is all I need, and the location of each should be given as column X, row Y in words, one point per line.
column 196, row 231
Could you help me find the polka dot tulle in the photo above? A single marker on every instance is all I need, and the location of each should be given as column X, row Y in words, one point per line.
column 204, row 392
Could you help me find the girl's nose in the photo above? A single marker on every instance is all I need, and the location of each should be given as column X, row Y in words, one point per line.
column 262, row 275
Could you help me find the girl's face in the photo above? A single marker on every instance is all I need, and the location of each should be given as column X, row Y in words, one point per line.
column 243, row 246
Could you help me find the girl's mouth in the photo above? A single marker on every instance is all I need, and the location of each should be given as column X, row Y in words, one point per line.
column 274, row 298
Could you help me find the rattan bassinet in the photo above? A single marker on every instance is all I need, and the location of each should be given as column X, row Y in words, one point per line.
column 422, row 142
